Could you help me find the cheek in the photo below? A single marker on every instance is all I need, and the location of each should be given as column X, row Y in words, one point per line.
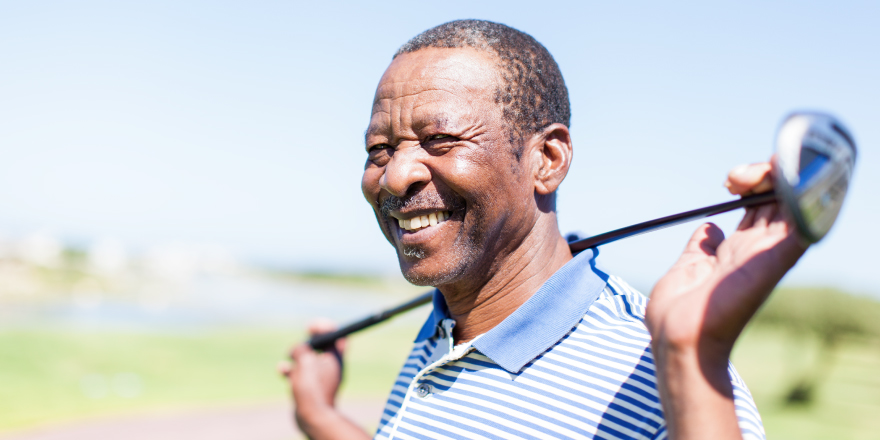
column 471, row 173
column 488, row 177
column 370, row 184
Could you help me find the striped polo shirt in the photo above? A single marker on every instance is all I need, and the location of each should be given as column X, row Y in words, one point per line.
column 574, row 361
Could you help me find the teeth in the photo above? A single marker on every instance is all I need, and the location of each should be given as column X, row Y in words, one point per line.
column 423, row 221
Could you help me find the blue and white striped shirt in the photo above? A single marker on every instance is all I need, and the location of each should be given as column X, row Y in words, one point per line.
column 574, row 361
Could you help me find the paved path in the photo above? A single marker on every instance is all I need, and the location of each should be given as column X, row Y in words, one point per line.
column 268, row 421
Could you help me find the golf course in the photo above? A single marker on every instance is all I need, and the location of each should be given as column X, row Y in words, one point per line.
column 809, row 360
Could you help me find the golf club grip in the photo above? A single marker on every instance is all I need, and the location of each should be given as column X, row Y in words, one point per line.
column 325, row 340
column 671, row 220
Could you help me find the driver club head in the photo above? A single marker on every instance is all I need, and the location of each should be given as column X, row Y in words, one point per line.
column 815, row 156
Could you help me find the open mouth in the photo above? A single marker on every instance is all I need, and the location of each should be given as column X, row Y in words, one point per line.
column 420, row 222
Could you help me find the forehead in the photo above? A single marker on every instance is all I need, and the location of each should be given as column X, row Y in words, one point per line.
column 444, row 83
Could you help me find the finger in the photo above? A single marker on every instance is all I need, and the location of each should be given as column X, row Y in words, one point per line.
column 705, row 241
column 794, row 244
column 782, row 218
column 340, row 346
column 324, row 325
column 301, row 352
column 749, row 179
column 321, row 325
column 781, row 224
column 764, row 215
column 765, row 185
column 284, row 368
column 748, row 220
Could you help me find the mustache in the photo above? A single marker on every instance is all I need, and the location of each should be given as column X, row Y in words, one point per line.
column 422, row 200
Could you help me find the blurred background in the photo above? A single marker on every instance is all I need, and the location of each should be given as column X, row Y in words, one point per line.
column 179, row 195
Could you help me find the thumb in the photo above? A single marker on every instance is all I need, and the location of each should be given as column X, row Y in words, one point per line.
column 750, row 179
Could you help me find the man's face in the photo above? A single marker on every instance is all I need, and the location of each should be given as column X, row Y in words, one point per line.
column 438, row 149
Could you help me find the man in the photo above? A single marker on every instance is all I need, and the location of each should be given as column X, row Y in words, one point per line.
column 467, row 145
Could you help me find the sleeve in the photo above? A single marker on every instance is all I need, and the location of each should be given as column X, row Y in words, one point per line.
column 746, row 411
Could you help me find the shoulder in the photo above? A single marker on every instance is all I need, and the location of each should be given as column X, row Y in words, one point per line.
column 629, row 303
column 618, row 314
column 613, row 344
column 606, row 363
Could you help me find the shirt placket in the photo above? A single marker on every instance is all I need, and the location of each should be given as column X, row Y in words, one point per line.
column 447, row 352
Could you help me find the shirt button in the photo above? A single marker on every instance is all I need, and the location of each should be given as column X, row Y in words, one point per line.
column 423, row 390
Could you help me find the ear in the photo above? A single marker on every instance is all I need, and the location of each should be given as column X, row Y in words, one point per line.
column 550, row 153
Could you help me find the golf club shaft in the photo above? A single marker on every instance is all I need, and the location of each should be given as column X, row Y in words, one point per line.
column 671, row 220
column 326, row 340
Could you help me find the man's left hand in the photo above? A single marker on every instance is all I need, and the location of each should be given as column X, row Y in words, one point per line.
column 700, row 307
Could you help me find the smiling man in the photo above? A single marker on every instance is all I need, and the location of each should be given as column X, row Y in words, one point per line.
column 467, row 144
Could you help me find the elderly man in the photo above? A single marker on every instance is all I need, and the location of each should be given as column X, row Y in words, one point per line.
column 466, row 147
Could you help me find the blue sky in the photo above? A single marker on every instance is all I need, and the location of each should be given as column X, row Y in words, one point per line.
column 241, row 123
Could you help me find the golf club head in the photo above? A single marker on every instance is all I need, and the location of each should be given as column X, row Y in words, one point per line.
column 815, row 156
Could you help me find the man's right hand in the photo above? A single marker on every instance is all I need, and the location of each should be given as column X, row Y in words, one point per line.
column 314, row 379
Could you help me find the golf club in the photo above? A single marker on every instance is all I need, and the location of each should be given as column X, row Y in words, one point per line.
column 815, row 156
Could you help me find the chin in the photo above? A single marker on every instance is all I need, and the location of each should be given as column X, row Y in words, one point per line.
column 430, row 271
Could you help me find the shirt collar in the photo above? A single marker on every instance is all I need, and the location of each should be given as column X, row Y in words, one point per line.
column 541, row 321
column 432, row 325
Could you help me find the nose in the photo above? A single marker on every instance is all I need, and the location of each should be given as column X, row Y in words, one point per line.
column 405, row 170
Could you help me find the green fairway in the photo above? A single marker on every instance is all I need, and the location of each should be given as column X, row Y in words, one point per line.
column 847, row 402
column 48, row 377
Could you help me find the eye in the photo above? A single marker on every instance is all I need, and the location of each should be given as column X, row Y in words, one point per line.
column 380, row 154
column 437, row 136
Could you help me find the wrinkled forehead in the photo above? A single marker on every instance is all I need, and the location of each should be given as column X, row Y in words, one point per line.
column 429, row 79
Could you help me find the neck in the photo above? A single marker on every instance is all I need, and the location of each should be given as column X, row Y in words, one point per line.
column 479, row 306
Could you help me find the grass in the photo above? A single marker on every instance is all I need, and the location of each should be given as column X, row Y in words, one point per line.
column 52, row 377
column 847, row 403
column 42, row 375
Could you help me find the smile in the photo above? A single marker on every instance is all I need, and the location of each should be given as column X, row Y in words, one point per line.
column 423, row 221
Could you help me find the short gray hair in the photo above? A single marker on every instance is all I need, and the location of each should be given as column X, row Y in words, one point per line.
column 533, row 93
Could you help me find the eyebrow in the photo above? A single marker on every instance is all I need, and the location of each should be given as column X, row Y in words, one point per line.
column 371, row 129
